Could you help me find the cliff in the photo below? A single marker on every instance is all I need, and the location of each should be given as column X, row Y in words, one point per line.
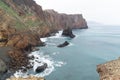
column 109, row 70
column 61, row 21
column 22, row 23
column 31, row 14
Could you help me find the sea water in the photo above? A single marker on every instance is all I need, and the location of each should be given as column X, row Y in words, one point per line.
column 78, row 61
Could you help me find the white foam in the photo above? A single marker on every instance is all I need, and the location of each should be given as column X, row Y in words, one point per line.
column 43, row 39
column 57, row 35
column 38, row 61
column 71, row 44
column 55, row 53
column 60, row 64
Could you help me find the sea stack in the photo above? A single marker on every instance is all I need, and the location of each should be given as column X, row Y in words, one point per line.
column 68, row 32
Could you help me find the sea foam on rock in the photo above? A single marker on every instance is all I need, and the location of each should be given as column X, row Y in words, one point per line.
column 39, row 60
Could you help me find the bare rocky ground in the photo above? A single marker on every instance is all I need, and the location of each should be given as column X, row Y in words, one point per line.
column 29, row 78
column 109, row 70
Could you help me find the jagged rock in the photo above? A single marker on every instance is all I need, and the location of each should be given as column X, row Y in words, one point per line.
column 75, row 21
column 24, row 41
column 68, row 32
column 18, row 59
column 41, row 68
column 109, row 70
column 64, row 44
column 28, row 78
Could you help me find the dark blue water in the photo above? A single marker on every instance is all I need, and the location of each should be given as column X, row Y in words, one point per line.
column 90, row 47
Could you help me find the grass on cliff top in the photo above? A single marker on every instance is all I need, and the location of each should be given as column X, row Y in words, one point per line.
column 8, row 10
column 19, row 22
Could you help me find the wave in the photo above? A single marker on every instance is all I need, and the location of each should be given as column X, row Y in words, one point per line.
column 57, row 35
column 39, row 59
column 71, row 44
column 43, row 39
column 55, row 53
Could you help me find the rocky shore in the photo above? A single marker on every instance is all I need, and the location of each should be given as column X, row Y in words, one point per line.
column 29, row 78
column 109, row 70
column 22, row 24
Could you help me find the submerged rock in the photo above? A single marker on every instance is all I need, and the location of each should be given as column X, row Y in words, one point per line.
column 64, row 44
column 68, row 32
column 41, row 68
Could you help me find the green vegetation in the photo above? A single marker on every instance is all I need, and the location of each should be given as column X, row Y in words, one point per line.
column 20, row 22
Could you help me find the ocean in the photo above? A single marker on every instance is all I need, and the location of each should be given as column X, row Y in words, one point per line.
column 77, row 61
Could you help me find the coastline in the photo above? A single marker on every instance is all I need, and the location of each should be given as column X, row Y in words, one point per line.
column 21, row 30
column 109, row 70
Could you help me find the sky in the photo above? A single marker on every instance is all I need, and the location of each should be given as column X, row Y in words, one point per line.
column 101, row 11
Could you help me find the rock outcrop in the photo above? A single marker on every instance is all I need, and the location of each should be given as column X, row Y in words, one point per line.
column 63, row 44
column 27, row 14
column 109, row 70
column 68, row 32
column 41, row 68
column 62, row 21
column 28, row 78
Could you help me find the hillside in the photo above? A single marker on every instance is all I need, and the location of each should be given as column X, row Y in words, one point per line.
column 22, row 23
column 27, row 14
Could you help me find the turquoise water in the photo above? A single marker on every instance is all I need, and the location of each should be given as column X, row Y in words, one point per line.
column 89, row 48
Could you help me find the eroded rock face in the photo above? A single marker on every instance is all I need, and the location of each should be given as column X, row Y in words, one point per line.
column 62, row 21
column 24, row 40
column 109, row 70
column 45, row 22
column 29, row 78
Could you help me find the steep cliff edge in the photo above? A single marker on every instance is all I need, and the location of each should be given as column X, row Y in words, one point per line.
column 109, row 70
column 61, row 21
column 23, row 22
column 31, row 14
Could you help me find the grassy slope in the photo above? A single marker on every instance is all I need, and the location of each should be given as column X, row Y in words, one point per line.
column 19, row 22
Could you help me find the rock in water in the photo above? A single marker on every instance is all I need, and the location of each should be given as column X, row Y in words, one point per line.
column 68, row 32
column 41, row 68
column 64, row 44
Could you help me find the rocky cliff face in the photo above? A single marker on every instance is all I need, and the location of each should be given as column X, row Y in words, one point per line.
column 50, row 18
column 61, row 21
column 109, row 70
column 23, row 22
